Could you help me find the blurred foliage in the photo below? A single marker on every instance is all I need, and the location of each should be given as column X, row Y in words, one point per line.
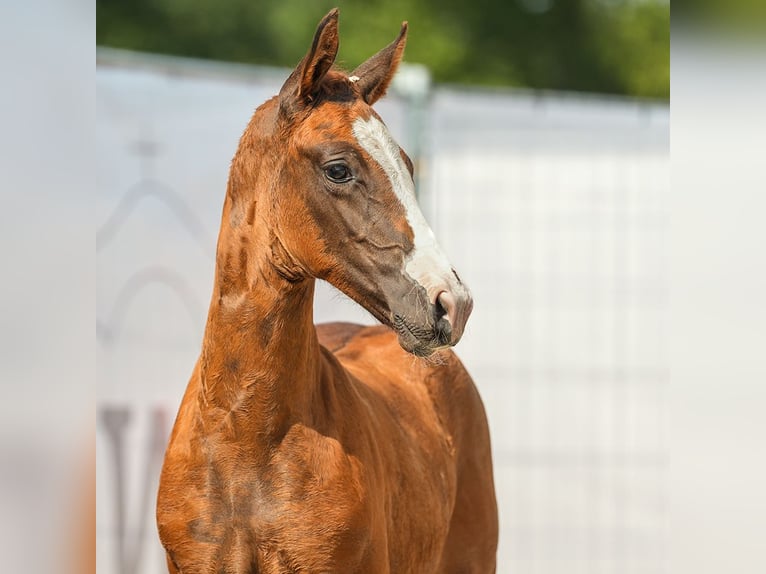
column 739, row 17
column 609, row 46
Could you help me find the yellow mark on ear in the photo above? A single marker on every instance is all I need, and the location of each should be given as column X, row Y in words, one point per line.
column 353, row 79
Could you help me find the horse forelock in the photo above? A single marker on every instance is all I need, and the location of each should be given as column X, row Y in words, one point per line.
column 338, row 87
column 267, row 123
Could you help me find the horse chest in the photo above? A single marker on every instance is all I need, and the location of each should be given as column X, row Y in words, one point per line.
column 304, row 512
column 314, row 508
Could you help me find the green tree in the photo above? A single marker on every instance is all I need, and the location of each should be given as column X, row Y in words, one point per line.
column 610, row 46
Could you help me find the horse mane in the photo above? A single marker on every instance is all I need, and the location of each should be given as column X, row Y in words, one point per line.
column 336, row 86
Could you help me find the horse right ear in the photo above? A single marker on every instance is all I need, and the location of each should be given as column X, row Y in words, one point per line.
column 374, row 76
column 302, row 86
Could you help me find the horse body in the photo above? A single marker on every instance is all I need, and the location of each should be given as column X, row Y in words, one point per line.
column 332, row 448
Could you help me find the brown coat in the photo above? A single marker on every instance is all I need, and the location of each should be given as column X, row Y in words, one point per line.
column 327, row 449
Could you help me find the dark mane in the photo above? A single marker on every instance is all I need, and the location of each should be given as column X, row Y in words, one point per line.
column 337, row 87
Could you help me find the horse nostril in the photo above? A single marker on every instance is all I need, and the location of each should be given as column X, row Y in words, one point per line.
column 445, row 315
column 446, row 302
column 440, row 310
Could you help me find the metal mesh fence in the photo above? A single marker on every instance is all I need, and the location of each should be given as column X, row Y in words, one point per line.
column 553, row 210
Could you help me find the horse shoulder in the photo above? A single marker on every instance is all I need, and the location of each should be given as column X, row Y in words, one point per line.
column 401, row 400
column 373, row 355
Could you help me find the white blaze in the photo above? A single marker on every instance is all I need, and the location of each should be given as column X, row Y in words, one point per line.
column 426, row 263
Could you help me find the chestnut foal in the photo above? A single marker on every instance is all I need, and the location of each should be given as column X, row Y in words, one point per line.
column 329, row 449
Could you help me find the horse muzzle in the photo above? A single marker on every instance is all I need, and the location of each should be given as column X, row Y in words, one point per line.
column 441, row 326
column 453, row 310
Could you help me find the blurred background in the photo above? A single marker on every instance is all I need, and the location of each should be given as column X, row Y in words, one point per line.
column 602, row 46
column 540, row 132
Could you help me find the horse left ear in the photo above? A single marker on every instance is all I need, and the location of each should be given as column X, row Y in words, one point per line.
column 375, row 75
column 303, row 84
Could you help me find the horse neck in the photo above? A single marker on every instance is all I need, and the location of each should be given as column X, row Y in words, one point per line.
column 260, row 362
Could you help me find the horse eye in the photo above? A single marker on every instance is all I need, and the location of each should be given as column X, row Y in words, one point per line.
column 338, row 173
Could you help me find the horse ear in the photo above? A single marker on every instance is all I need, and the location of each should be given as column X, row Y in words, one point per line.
column 303, row 84
column 375, row 75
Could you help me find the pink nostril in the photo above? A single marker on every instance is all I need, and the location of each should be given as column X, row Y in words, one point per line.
column 457, row 311
column 447, row 301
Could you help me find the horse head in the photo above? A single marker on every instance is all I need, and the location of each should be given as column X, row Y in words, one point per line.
column 338, row 194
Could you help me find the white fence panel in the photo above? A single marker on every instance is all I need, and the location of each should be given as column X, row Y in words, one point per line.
column 552, row 208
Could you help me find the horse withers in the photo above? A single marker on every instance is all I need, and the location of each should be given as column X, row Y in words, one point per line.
column 331, row 448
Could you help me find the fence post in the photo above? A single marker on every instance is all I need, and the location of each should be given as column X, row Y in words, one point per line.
column 413, row 83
